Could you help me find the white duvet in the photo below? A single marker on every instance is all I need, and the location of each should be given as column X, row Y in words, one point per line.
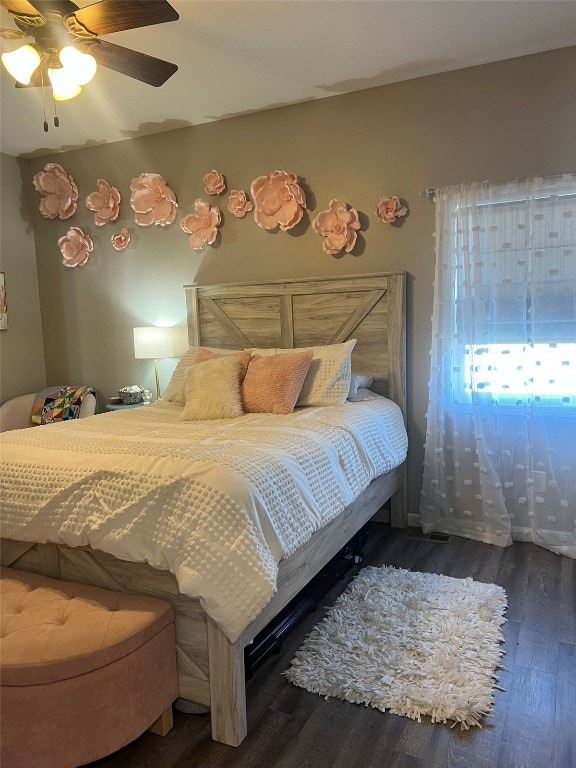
column 218, row 503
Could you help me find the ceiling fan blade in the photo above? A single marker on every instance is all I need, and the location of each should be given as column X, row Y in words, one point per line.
column 116, row 15
column 128, row 62
column 19, row 7
column 12, row 34
column 63, row 7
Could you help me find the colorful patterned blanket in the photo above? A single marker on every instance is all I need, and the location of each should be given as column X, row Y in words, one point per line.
column 59, row 404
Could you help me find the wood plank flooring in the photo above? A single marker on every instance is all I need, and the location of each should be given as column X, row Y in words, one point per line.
column 533, row 723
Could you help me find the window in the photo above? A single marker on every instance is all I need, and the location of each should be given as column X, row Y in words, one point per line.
column 513, row 291
column 511, row 371
column 500, row 450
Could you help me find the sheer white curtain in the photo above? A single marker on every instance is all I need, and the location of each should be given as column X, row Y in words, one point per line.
column 500, row 453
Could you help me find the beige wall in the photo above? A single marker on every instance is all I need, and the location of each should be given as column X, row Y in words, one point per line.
column 21, row 349
column 510, row 119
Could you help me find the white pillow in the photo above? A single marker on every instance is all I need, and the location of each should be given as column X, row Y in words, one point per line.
column 364, row 394
column 174, row 392
column 213, row 390
column 358, row 380
column 328, row 379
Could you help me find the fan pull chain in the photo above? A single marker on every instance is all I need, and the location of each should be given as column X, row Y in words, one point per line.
column 55, row 118
column 44, row 102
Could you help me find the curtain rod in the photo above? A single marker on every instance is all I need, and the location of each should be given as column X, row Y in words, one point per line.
column 430, row 192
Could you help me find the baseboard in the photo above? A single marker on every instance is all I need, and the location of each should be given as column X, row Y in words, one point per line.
column 413, row 520
column 382, row 516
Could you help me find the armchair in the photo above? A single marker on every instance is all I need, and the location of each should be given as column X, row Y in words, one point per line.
column 16, row 413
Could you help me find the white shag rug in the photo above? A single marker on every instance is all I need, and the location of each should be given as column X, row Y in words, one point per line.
column 411, row 643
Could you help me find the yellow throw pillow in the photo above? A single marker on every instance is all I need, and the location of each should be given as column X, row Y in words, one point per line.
column 272, row 384
column 204, row 354
column 175, row 392
column 213, row 390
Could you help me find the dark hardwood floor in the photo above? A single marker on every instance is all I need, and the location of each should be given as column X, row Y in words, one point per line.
column 533, row 722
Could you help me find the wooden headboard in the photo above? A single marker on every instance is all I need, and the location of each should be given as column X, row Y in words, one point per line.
column 308, row 312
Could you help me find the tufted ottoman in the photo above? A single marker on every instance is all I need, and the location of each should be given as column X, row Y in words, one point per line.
column 83, row 670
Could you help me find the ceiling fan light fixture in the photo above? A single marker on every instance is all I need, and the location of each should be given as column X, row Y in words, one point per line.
column 82, row 64
column 22, row 63
column 64, row 84
column 67, row 68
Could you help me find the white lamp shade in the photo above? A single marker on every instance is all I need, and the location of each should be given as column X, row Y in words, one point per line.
column 82, row 66
column 22, row 63
column 64, row 85
column 157, row 342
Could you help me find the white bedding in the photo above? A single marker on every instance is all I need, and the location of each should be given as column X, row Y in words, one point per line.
column 218, row 503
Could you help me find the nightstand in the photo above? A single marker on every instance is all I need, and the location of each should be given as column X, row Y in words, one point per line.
column 121, row 406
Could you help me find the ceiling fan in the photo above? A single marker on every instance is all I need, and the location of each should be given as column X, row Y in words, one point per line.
column 55, row 24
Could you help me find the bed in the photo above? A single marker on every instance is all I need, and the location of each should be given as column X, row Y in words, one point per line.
column 285, row 314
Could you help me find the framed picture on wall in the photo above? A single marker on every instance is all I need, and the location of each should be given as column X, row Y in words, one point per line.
column 3, row 304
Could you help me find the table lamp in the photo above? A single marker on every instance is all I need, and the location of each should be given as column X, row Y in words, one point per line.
column 156, row 342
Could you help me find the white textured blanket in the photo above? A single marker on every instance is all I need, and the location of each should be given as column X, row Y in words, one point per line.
column 218, row 503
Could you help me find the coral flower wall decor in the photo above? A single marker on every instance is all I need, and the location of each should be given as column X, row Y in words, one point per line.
column 338, row 226
column 279, row 201
column 75, row 247
column 389, row 209
column 238, row 203
column 120, row 240
column 214, row 183
column 105, row 202
column 152, row 200
column 202, row 224
column 58, row 190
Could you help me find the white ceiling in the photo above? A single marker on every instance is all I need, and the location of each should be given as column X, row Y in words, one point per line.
column 239, row 56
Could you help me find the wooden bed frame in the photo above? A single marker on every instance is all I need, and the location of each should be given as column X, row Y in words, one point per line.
column 289, row 313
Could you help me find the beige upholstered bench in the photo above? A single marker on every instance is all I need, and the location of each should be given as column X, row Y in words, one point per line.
column 83, row 670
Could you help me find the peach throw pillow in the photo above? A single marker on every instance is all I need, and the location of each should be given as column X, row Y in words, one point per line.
column 328, row 379
column 272, row 384
column 213, row 390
